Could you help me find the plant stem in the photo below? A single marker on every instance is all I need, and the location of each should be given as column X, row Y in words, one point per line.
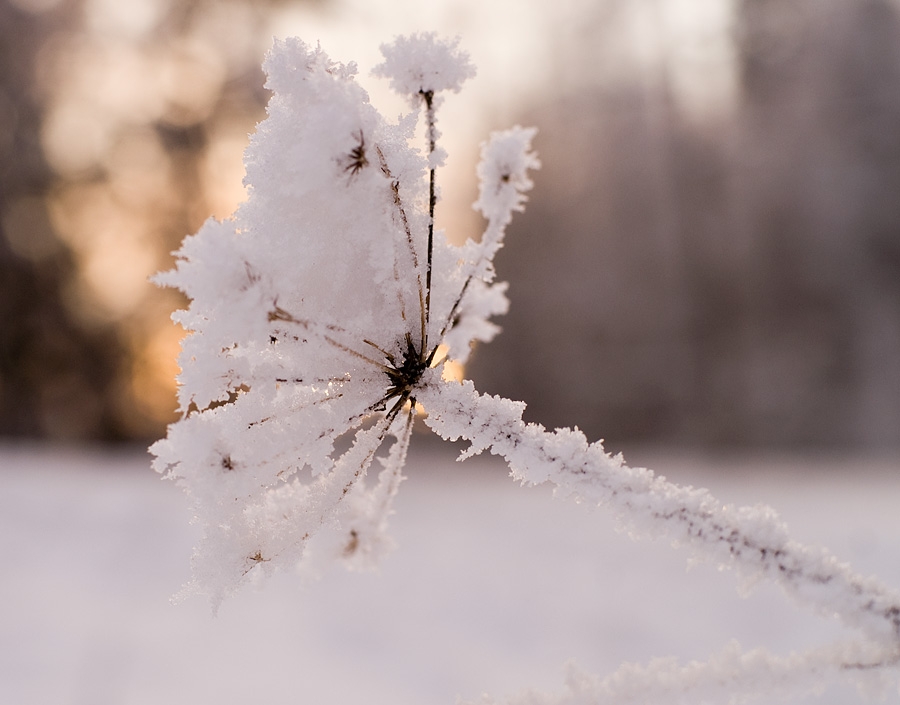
column 751, row 540
column 428, row 97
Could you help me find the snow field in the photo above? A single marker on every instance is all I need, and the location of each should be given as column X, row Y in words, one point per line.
column 492, row 587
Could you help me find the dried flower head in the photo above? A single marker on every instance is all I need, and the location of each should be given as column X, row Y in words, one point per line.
column 318, row 312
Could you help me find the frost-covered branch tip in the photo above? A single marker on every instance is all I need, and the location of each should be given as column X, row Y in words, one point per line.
column 321, row 312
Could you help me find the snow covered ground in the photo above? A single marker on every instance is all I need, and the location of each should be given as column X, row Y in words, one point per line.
column 493, row 587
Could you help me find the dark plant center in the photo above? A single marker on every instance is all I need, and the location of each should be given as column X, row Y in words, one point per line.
column 412, row 366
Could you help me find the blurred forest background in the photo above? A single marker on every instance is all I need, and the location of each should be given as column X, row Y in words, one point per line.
column 711, row 255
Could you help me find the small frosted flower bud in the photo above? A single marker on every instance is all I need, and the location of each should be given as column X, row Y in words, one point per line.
column 422, row 64
column 503, row 171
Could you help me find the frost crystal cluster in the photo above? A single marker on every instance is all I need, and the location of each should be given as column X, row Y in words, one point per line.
column 321, row 314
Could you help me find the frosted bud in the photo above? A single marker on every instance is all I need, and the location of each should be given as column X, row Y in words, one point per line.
column 423, row 64
column 503, row 172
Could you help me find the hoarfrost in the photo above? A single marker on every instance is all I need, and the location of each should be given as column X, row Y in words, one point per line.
column 322, row 312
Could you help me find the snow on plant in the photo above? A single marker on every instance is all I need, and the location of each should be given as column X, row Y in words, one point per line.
column 321, row 315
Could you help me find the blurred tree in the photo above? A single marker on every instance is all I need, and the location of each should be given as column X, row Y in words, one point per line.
column 819, row 188
column 122, row 130
column 727, row 276
column 56, row 378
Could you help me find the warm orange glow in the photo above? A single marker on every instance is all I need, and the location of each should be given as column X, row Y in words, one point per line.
column 153, row 372
column 223, row 166
column 114, row 249
column 190, row 78
column 452, row 371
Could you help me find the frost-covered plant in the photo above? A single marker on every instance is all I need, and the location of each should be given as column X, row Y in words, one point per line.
column 321, row 315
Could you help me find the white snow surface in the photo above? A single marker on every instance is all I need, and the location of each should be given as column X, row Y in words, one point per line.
column 492, row 588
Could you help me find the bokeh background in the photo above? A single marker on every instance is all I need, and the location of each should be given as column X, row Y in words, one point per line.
column 710, row 258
